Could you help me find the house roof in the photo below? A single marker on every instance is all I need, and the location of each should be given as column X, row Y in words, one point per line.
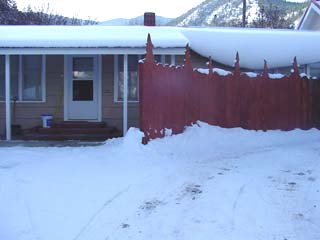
column 89, row 36
column 278, row 47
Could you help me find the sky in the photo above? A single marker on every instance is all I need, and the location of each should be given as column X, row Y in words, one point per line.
column 102, row 10
column 109, row 9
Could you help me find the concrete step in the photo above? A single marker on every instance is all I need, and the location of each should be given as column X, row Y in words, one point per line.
column 65, row 137
column 79, row 124
column 75, row 130
column 65, row 130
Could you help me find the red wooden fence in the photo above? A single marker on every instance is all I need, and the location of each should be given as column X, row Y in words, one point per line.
column 174, row 97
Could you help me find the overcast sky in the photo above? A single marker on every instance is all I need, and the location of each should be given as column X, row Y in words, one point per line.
column 108, row 9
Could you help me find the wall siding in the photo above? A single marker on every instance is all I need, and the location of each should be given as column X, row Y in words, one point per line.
column 28, row 114
column 199, row 61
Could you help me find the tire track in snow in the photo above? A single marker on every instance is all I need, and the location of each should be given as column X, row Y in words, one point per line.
column 235, row 205
column 99, row 211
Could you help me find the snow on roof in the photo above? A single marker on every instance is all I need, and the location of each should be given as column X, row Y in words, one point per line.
column 89, row 36
column 278, row 47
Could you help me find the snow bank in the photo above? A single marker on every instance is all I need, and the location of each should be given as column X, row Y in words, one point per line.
column 206, row 140
column 206, row 183
column 133, row 139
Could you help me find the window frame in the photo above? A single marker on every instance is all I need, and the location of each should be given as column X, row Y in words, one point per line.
column 20, row 82
column 116, row 80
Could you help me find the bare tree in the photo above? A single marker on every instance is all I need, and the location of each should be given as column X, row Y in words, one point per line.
column 244, row 9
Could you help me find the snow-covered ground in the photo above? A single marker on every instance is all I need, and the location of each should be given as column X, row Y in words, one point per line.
column 207, row 183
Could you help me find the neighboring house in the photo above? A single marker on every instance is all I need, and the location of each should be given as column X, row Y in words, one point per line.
column 311, row 18
column 83, row 73
column 311, row 22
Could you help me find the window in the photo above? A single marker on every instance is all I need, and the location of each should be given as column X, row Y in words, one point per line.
column 133, row 78
column 315, row 70
column 27, row 75
column 82, row 83
column 164, row 59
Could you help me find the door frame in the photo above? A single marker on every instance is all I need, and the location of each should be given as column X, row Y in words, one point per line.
column 66, row 92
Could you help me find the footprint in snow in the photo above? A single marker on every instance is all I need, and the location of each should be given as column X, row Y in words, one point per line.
column 291, row 186
column 125, row 225
column 6, row 166
column 298, row 216
column 311, row 179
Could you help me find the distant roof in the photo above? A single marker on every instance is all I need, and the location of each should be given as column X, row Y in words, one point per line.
column 278, row 47
column 311, row 17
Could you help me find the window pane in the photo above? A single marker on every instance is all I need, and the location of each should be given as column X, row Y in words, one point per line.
column 14, row 71
column 2, row 77
column 82, row 90
column 315, row 70
column 133, row 86
column 83, row 68
column 31, row 85
column 14, row 75
column 132, row 78
column 120, row 86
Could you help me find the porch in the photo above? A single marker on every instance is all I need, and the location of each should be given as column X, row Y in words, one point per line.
column 83, row 90
column 76, row 73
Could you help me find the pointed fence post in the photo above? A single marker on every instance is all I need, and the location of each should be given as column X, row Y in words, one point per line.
column 295, row 66
column 237, row 65
column 264, row 96
column 187, row 86
column 146, row 71
column 265, row 72
column 149, row 55
column 210, row 66
column 187, row 57
column 234, row 97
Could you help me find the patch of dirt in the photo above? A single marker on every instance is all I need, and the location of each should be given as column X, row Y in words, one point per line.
column 191, row 190
column 125, row 225
column 151, row 205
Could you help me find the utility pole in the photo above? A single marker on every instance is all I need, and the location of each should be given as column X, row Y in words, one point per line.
column 244, row 9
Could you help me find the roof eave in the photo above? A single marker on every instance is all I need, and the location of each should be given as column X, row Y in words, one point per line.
column 88, row 50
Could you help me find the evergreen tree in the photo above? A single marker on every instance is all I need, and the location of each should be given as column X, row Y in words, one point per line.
column 271, row 16
column 10, row 15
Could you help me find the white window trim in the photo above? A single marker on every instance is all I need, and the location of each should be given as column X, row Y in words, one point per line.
column 116, row 81
column 116, row 75
column 20, row 79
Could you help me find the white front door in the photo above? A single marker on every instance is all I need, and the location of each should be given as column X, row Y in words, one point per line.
column 82, row 88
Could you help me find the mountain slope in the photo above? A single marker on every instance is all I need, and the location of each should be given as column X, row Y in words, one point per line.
column 160, row 21
column 229, row 13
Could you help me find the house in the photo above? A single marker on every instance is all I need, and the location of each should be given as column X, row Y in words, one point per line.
column 90, row 73
column 311, row 18
column 310, row 21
